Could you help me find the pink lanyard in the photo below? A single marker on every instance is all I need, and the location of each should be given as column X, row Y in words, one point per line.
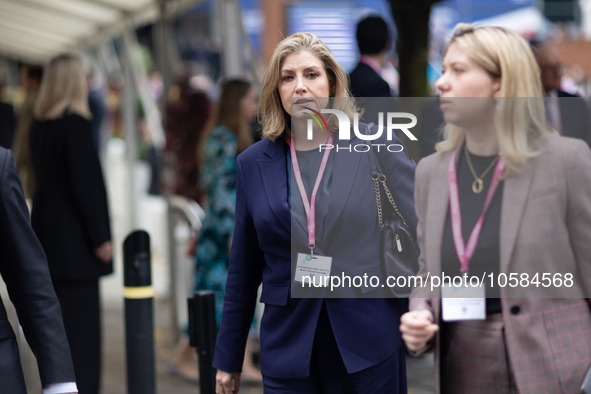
column 310, row 207
column 466, row 252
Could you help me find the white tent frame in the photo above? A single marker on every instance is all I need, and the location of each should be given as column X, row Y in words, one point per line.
column 34, row 30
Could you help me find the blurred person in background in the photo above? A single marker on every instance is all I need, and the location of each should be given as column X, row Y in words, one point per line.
column 31, row 80
column 70, row 213
column 229, row 134
column 504, row 195
column 374, row 42
column 371, row 77
column 566, row 112
column 7, row 124
column 186, row 115
column 96, row 105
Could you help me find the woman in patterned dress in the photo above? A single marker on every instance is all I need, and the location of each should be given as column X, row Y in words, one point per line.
column 229, row 135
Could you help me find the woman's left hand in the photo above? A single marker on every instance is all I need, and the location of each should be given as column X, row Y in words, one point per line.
column 225, row 380
column 105, row 252
column 417, row 329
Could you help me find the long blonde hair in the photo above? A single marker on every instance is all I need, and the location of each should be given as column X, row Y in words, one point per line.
column 64, row 87
column 274, row 119
column 519, row 116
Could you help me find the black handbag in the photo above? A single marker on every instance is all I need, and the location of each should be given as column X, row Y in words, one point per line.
column 399, row 253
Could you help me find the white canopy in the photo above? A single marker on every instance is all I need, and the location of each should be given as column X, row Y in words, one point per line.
column 34, row 30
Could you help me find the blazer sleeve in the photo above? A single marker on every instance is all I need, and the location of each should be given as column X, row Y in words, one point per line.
column 24, row 269
column 87, row 181
column 244, row 278
column 421, row 297
column 578, row 218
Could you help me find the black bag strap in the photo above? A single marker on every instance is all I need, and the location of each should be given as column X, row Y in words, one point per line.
column 378, row 177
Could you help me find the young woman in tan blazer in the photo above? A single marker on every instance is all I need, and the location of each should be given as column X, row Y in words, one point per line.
column 529, row 330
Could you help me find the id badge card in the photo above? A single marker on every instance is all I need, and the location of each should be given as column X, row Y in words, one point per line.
column 313, row 269
column 463, row 303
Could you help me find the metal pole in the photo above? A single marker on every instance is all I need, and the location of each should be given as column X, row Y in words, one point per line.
column 130, row 127
column 139, row 319
column 173, row 265
column 184, row 209
column 202, row 332
column 163, row 61
column 230, row 29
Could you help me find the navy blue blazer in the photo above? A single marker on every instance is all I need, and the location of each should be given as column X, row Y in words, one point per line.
column 366, row 329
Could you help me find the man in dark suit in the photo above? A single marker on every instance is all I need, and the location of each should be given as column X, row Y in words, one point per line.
column 566, row 112
column 374, row 42
column 23, row 267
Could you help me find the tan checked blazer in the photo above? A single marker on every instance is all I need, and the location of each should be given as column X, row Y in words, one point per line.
column 545, row 228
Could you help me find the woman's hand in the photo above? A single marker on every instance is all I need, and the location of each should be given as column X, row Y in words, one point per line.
column 105, row 252
column 417, row 329
column 223, row 382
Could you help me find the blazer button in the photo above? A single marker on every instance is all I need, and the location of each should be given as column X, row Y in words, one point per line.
column 515, row 309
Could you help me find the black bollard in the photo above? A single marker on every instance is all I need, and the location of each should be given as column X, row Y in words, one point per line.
column 139, row 315
column 202, row 333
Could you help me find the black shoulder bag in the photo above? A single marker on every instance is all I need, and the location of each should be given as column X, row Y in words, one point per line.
column 399, row 253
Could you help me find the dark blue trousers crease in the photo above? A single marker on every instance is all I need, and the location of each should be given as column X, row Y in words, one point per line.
column 328, row 374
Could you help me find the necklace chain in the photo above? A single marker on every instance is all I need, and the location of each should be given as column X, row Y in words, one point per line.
column 478, row 184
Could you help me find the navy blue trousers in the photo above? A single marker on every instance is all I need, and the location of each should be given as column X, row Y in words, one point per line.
column 328, row 374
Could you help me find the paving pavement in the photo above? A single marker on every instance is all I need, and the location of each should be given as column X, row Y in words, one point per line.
column 420, row 371
column 114, row 362
column 151, row 216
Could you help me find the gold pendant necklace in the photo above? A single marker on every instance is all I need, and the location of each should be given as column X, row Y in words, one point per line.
column 477, row 186
column 478, row 183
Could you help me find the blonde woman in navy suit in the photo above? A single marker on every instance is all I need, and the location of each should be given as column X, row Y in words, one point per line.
column 309, row 345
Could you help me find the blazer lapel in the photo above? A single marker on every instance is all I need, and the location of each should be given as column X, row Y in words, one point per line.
column 515, row 192
column 436, row 214
column 343, row 177
column 274, row 174
column 437, row 200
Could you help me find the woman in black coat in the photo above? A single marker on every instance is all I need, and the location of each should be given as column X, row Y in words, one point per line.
column 70, row 212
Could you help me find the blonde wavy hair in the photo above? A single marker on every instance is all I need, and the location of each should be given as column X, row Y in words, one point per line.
column 274, row 119
column 520, row 119
column 64, row 87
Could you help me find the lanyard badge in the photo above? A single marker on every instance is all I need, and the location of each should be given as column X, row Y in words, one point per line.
column 466, row 302
column 466, row 251
column 310, row 206
column 316, row 268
